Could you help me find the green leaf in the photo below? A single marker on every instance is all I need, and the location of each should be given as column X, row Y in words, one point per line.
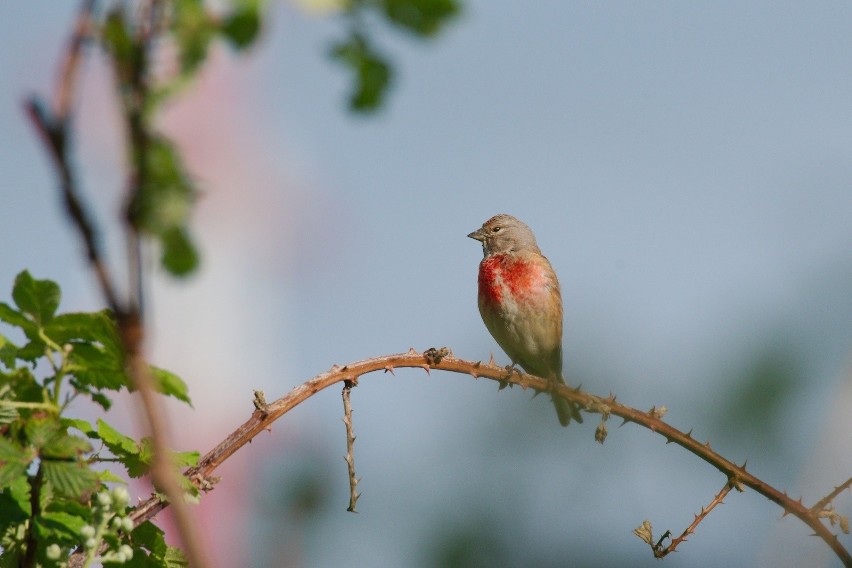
column 41, row 428
column 70, row 479
column 165, row 200
column 24, row 387
column 179, row 256
column 14, row 461
column 150, row 537
column 8, row 414
column 104, row 401
column 8, row 352
column 423, row 17
column 14, row 503
column 192, row 28
column 185, row 459
column 371, row 72
column 32, row 351
column 90, row 327
column 37, row 298
column 136, row 457
column 106, row 476
column 242, row 27
column 97, row 366
column 170, row 384
column 117, row 442
column 13, row 317
column 81, row 425
column 117, row 38
column 59, row 526
column 65, row 446
column 175, row 558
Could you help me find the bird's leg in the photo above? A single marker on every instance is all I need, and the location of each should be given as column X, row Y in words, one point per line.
column 509, row 370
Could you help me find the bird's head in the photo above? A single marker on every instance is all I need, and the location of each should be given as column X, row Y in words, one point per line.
column 504, row 234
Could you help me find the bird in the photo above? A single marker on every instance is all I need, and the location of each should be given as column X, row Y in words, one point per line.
column 521, row 304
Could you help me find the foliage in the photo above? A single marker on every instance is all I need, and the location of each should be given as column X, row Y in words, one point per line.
column 55, row 494
column 53, row 485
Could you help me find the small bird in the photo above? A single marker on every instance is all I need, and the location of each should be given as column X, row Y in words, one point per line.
column 520, row 302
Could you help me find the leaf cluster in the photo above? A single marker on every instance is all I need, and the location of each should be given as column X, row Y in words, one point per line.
column 51, row 465
column 371, row 72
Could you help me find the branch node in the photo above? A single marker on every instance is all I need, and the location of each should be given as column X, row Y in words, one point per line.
column 434, row 356
column 260, row 403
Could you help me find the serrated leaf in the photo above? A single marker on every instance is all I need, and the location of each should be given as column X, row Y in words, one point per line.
column 170, row 384
column 66, row 446
column 8, row 414
column 81, row 425
column 14, row 461
column 37, row 298
column 174, row 558
column 70, row 479
column 136, row 457
column 106, row 476
column 40, row 428
column 91, row 327
column 96, row 366
column 117, row 442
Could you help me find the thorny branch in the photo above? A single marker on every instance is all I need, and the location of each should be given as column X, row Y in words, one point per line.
column 262, row 419
column 660, row 552
column 53, row 126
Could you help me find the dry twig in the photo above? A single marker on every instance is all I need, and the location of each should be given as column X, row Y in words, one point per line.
column 350, row 445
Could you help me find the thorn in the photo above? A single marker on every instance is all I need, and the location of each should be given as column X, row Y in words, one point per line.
column 477, row 364
column 411, row 351
column 389, row 369
column 474, row 374
column 335, row 368
column 742, row 467
column 426, row 367
column 345, row 367
column 491, row 360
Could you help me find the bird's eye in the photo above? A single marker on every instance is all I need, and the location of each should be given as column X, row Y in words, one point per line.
column 496, row 229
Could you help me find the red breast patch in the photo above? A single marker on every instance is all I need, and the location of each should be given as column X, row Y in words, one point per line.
column 502, row 273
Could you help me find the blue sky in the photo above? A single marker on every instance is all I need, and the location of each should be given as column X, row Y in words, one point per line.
column 686, row 169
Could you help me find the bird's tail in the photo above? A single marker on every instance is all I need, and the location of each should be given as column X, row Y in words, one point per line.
column 566, row 410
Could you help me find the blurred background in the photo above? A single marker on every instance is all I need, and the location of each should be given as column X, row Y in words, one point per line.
column 687, row 170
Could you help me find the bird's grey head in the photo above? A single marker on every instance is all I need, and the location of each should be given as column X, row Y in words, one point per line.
column 504, row 234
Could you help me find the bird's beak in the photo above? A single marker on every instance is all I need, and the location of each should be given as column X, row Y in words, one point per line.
column 477, row 235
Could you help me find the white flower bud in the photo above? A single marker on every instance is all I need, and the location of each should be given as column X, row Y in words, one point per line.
column 53, row 552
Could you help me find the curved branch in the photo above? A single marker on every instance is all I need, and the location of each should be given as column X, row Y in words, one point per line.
column 266, row 414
